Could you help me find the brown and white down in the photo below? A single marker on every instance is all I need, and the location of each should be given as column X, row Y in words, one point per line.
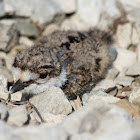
column 74, row 61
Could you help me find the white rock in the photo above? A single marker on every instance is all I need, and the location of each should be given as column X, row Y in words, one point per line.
column 124, row 80
column 8, row 41
column 123, row 35
column 2, row 12
column 50, row 29
column 75, row 23
column 105, row 84
column 111, row 9
column 129, row 5
column 67, row 6
column 19, row 8
column 18, row 116
column 89, row 11
column 6, row 73
column 98, row 95
column 3, row 111
column 138, row 52
column 52, row 101
column 112, row 73
column 49, row 11
column 135, row 36
column 51, row 119
column 134, row 70
column 134, row 94
column 26, row 41
column 124, row 59
column 26, row 28
column 3, row 88
column 82, row 136
column 99, row 118
column 16, row 96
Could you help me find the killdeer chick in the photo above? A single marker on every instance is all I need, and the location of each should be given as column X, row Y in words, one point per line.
column 74, row 61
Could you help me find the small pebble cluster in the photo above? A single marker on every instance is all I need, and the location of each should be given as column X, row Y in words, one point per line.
column 111, row 110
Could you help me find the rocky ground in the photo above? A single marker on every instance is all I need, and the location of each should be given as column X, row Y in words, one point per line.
column 111, row 110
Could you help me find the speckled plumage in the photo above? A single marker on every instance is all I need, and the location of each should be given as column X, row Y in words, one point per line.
column 84, row 56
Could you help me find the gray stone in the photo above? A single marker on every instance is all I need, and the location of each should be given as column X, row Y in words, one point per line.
column 51, row 119
column 89, row 11
column 9, row 36
column 26, row 41
column 123, row 35
column 51, row 11
column 111, row 8
column 25, row 27
column 39, row 132
column 18, row 7
column 2, row 12
column 134, row 94
column 124, row 80
column 138, row 52
column 3, row 88
column 112, row 73
column 134, row 70
column 98, row 95
column 50, row 29
column 3, row 111
column 6, row 73
column 125, row 59
column 16, row 96
column 129, row 5
column 75, row 23
column 135, row 36
column 52, row 101
column 18, row 116
column 67, row 6
column 99, row 118
column 105, row 84
column 83, row 136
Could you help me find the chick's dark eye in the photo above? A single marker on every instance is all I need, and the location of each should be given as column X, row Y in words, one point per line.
column 42, row 76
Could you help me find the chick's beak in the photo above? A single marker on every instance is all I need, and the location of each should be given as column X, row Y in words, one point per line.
column 17, row 87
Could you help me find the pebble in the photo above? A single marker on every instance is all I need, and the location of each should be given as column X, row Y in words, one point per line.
column 6, row 73
column 50, row 29
column 9, row 37
column 132, row 109
column 135, row 36
column 134, row 70
column 68, row 7
column 110, row 7
column 26, row 28
column 105, row 84
column 17, row 96
column 134, row 94
column 124, row 80
column 112, row 73
column 3, row 88
column 123, row 35
column 18, row 8
column 51, row 11
column 51, row 101
column 18, row 116
column 94, row 118
column 3, row 112
column 2, row 13
column 26, row 41
column 91, row 12
column 125, row 59
column 75, row 23
column 98, row 95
